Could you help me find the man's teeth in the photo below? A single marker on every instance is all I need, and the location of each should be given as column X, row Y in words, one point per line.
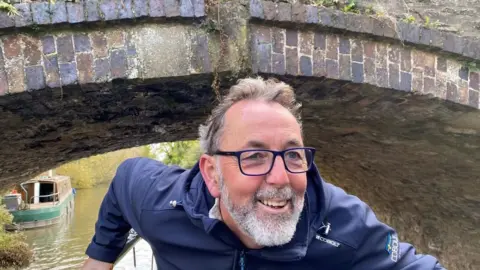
column 274, row 203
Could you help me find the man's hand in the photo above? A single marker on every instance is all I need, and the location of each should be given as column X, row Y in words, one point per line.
column 92, row 264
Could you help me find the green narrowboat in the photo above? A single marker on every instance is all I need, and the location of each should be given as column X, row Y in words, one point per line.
column 40, row 202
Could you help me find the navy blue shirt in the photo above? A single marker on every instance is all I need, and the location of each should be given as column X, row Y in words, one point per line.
column 169, row 208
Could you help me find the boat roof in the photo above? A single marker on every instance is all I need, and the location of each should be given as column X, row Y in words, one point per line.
column 52, row 179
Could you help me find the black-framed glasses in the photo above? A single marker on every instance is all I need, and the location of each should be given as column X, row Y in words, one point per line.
column 255, row 162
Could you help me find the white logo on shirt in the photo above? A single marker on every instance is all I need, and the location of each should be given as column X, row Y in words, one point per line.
column 328, row 241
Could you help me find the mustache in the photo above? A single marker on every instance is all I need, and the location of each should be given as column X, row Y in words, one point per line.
column 284, row 193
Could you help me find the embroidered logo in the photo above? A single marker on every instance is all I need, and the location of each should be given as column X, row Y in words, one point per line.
column 328, row 241
column 391, row 246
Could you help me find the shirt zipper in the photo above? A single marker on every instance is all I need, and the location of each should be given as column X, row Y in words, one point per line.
column 241, row 262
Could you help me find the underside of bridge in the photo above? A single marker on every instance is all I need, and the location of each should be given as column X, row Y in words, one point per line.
column 407, row 145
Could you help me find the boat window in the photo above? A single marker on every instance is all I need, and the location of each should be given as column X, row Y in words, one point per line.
column 45, row 190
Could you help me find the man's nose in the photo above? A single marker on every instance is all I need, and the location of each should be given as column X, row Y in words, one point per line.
column 278, row 175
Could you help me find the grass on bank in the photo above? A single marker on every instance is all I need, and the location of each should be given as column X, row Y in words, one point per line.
column 14, row 251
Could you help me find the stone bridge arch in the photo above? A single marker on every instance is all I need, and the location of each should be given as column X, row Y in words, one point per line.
column 392, row 107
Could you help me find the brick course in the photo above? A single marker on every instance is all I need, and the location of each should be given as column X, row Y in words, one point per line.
column 321, row 53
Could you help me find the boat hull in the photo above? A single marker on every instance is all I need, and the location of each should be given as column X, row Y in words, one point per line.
column 43, row 216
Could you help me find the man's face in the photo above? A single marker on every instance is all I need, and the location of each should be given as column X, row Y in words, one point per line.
column 267, row 207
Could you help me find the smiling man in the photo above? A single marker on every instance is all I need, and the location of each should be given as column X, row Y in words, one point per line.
column 255, row 200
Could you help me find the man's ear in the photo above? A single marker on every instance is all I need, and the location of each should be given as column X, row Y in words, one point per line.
column 209, row 173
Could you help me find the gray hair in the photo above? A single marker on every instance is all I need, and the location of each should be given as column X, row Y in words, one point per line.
column 269, row 90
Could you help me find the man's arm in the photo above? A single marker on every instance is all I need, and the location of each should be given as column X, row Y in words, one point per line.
column 381, row 249
column 115, row 219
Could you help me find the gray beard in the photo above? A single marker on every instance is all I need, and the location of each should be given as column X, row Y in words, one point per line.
column 268, row 230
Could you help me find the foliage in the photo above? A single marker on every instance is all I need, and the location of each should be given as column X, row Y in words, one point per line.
column 9, row 8
column 409, row 19
column 431, row 24
column 14, row 252
column 182, row 153
column 94, row 170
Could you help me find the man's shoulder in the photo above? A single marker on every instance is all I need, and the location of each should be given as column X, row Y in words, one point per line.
column 150, row 180
column 346, row 214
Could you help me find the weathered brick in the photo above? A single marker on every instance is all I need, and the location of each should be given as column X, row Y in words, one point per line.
column 332, row 68
column 325, row 16
column 345, row 67
column 186, row 8
column 199, row 8
column 269, row 10
column 278, row 64
column 405, row 81
column 320, row 41
column 441, row 63
column 65, row 49
column 115, row 38
column 132, row 50
column 452, row 91
column 394, row 76
column 406, row 60
column 12, row 46
column 462, row 93
column 125, row 9
column 263, row 56
column 369, row 49
column 172, row 8
column 75, row 12
column 299, row 12
column 306, row 68
column 428, row 85
column 58, row 11
column 35, row 78
column 48, row 44
column 68, row 73
column 32, row 52
column 278, row 40
column 3, row 76
column 256, row 9
column 429, row 64
column 91, row 7
column 319, row 66
column 262, row 35
column 473, row 98
column 284, row 12
column 5, row 20
column 51, row 70
column 306, row 43
column 99, row 44
column 292, row 61
column 357, row 72
column 157, row 8
column 474, row 81
column 463, row 73
column 201, row 57
column 40, row 12
column 312, row 14
column 82, row 43
column 381, row 56
column 118, row 62
column 370, row 72
column 417, row 80
column 133, row 67
column 292, row 38
column 394, row 53
column 24, row 17
column 108, row 10
column 382, row 77
column 344, row 45
column 85, row 68
column 102, row 70
column 16, row 76
column 357, row 50
column 332, row 47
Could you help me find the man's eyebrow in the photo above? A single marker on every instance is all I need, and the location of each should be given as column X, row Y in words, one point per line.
column 259, row 144
column 293, row 143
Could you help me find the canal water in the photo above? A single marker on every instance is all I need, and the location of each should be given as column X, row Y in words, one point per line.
column 63, row 246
